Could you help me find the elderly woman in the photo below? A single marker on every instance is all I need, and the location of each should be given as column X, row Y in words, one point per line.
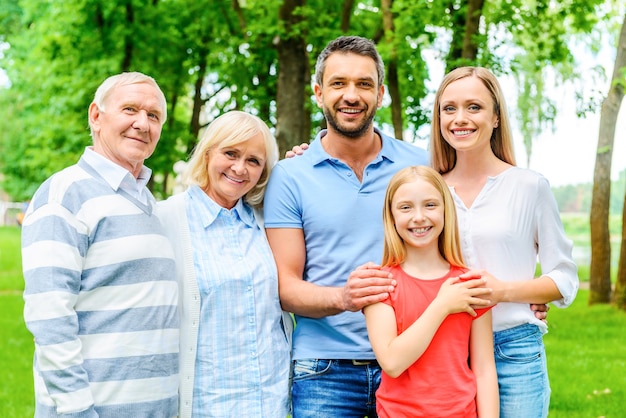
column 234, row 348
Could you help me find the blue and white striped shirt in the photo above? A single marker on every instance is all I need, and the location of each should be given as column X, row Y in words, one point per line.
column 100, row 299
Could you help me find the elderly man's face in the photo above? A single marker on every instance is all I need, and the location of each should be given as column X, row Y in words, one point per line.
column 130, row 127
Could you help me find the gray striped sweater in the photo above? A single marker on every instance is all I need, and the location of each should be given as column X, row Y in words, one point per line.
column 100, row 299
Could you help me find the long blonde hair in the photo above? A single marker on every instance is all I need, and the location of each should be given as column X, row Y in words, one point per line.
column 442, row 155
column 232, row 128
column 394, row 250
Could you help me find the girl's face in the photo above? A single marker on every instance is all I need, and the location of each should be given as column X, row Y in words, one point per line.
column 418, row 213
column 233, row 171
column 467, row 115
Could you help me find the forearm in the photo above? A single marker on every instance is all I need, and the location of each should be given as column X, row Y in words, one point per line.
column 539, row 290
column 310, row 300
column 487, row 396
column 483, row 366
column 406, row 348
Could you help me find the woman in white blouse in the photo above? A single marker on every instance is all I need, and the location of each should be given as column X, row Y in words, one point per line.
column 508, row 218
column 235, row 345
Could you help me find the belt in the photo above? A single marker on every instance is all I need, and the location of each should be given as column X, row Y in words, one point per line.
column 359, row 362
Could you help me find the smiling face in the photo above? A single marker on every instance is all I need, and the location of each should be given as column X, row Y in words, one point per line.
column 128, row 131
column 417, row 208
column 234, row 170
column 467, row 116
column 349, row 94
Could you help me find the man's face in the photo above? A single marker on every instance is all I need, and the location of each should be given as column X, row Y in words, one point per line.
column 350, row 94
column 128, row 129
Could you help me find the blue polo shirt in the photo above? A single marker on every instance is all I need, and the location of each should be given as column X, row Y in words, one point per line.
column 342, row 223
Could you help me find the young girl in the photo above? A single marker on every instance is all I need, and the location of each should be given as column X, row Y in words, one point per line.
column 424, row 332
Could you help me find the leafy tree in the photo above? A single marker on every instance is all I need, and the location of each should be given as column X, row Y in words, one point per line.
column 253, row 55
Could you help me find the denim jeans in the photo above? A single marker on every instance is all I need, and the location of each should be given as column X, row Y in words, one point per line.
column 334, row 388
column 522, row 372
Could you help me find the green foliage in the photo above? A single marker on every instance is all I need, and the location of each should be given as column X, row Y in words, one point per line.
column 213, row 56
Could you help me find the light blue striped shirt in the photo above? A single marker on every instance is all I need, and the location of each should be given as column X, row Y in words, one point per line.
column 242, row 361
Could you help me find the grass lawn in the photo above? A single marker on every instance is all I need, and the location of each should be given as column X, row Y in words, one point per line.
column 586, row 350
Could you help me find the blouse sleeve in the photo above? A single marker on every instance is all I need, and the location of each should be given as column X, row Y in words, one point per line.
column 554, row 248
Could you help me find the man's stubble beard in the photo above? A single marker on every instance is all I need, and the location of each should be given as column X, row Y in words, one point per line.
column 354, row 133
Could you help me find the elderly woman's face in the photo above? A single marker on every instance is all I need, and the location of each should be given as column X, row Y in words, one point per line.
column 234, row 171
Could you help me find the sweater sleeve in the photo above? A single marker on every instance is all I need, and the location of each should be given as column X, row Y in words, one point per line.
column 54, row 245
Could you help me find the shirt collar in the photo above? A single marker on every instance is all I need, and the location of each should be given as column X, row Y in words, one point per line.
column 241, row 209
column 115, row 175
column 319, row 154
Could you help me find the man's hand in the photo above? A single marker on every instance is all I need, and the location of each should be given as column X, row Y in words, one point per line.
column 541, row 311
column 297, row 150
column 367, row 284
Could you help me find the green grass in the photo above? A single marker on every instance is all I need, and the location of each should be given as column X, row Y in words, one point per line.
column 10, row 260
column 16, row 346
column 585, row 348
column 16, row 343
column 586, row 360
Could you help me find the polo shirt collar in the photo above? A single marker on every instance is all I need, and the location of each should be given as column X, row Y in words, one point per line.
column 318, row 153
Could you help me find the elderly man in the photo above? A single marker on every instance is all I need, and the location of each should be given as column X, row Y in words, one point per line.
column 100, row 286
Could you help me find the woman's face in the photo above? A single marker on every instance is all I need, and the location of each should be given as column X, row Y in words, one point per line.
column 466, row 112
column 234, row 170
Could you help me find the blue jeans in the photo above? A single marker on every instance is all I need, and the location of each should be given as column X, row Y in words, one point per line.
column 522, row 372
column 334, row 388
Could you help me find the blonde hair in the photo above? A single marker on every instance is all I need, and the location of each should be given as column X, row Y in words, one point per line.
column 229, row 129
column 394, row 250
column 443, row 156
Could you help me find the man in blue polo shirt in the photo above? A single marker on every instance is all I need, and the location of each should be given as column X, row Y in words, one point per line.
column 323, row 214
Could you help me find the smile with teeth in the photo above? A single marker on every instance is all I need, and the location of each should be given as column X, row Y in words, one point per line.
column 461, row 133
column 350, row 110
column 233, row 179
column 420, row 230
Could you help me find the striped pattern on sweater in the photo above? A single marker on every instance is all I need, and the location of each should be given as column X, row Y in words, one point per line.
column 100, row 299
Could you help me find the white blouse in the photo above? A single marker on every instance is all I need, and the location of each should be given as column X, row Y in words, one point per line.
column 513, row 223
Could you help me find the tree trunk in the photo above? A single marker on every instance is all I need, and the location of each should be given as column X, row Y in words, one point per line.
column 600, row 270
column 465, row 26
column 346, row 13
column 392, row 71
column 128, row 38
column 290, row 87
column 619, row 298
column 472, row 28
column 198, row 102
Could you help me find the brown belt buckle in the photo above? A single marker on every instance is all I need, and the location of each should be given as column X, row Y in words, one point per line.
column 361, row 363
